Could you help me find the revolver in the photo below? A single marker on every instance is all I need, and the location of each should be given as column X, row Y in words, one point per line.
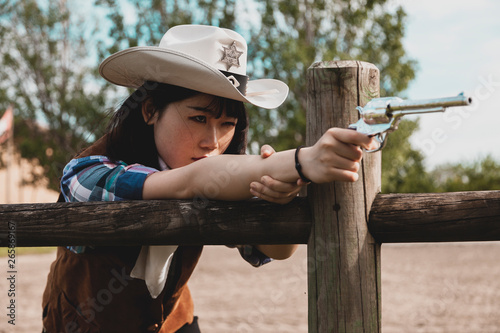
column 381, row 116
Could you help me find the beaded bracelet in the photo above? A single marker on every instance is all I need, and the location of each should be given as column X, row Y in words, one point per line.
column 298, row 167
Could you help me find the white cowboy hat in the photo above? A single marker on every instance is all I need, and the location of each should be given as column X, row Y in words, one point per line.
column 208, row 59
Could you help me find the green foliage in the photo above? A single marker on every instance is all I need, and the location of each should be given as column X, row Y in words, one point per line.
column 49, row 56
column 154, row 17
column 293, row 35
column 58, row 106
column 479, row 175
column 284, row 41
column 403, row 169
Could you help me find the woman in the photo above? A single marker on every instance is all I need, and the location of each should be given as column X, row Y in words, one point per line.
column 180, row 135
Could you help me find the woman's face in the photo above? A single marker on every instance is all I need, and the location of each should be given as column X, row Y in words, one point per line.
column 188, row 131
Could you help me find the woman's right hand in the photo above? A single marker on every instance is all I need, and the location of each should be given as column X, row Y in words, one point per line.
column 336, row 156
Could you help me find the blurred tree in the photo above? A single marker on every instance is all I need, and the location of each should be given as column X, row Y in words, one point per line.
column 286, row 38
column 403, row 169
column 152, row 18
column 479, row 175
column 49, row 66
column 294, row 34
column 48, row 76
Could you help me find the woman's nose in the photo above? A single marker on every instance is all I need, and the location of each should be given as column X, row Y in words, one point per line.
column 210, row 138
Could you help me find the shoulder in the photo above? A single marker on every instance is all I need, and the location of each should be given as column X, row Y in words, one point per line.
column 99, row 161
column 88, row 161
column 97, row 177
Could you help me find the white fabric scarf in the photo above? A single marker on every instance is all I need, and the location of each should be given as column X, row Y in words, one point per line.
column 154, row 261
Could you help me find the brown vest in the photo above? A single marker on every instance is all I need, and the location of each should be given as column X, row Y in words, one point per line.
column 93, row 291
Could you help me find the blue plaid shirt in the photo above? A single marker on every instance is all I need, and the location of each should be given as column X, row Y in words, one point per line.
column 97, row 178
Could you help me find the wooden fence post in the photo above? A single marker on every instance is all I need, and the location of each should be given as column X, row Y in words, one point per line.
column 343, row 258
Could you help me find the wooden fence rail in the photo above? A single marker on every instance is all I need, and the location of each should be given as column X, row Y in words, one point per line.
column 394, row 218
column 157, row 222
column 343, row 224
column 436, row 217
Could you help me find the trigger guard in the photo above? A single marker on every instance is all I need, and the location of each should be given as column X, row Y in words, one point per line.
column 381, row 140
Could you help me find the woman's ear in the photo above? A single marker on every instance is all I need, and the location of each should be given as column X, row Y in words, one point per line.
column 148, row 112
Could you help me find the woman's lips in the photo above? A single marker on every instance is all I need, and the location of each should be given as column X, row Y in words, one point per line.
column 198, row 158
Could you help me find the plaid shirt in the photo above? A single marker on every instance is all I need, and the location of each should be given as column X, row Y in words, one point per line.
column 97, row 178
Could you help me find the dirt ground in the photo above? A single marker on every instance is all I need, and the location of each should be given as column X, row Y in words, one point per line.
column 428, row 288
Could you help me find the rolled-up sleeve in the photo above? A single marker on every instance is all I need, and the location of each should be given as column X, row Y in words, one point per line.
column 252, row 255
column 96, row 178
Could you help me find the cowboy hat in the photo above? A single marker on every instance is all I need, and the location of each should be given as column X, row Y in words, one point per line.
column 208, row 59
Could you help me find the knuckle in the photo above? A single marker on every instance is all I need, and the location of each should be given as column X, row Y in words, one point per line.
column 359, row 155
column 331, row 130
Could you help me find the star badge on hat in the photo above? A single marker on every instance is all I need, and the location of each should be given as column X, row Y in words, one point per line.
column 231, row 56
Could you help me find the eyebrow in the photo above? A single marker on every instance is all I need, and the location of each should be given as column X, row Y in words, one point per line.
column 202, row 109
column 207, row 110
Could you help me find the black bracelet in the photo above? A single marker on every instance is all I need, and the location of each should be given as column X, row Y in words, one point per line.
column 298, row 167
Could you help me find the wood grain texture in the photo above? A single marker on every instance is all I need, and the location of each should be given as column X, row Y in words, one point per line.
column 436, row 217
column 344, row 260
column 156, row 222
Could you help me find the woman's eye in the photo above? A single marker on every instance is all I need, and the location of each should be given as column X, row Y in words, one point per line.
column 230, row 123
column 200, row 119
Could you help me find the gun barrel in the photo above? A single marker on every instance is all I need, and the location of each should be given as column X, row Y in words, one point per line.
column 381, row 116
column 432, row 103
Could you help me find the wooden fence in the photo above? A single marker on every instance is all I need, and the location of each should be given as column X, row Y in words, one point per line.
column 344, row 224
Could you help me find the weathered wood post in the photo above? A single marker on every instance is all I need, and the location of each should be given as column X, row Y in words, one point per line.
column 343, row 258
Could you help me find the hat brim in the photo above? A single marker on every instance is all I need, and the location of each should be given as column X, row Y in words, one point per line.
column 134, row 66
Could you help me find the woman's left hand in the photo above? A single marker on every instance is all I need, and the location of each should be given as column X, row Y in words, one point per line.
column 273, row 190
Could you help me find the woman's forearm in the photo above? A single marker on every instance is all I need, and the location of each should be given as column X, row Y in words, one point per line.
column 223, row 177
column 335, row 157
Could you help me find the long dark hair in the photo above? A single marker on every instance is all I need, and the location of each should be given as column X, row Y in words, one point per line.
column 131, row 140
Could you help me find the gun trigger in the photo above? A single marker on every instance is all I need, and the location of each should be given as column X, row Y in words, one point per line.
column 381, row 139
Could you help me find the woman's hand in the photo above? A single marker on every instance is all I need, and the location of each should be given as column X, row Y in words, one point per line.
column 273, row 190
column 336, row 156
column 279, row 192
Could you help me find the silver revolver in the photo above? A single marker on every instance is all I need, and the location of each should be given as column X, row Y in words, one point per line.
column 381, row 116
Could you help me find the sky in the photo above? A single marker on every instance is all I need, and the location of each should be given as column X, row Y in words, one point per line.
column 457, row 46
